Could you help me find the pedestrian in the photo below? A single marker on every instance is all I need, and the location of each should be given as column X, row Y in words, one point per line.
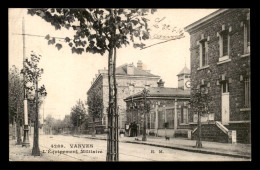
column 134, row 129
column 131, row 129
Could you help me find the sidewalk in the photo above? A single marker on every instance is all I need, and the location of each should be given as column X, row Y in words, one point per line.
column 225, row 149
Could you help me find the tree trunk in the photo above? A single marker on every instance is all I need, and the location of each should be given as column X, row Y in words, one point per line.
column 36, row 149
column 115, row 109
column 110, row 111
column 18, row 128
column 198, row 143
column 77, row 129
column 144, row 129
column 14, row 129
column 94, row 128
column 112, row 146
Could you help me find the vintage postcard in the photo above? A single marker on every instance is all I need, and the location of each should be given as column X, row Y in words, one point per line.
column 119, row 84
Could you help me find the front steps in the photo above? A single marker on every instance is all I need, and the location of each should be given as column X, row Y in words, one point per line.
column 216, row 132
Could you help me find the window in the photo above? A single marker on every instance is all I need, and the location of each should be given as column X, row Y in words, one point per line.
column 225, row 44
column 225, row 87
column 247, row 37
column 203, row 53
column 170, row 117
column 247, row 92
column 184, row 115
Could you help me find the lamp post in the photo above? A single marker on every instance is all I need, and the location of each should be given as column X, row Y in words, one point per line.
column 26, row 129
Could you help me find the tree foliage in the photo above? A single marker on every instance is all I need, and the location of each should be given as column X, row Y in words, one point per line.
column 95, row 105
column 15, row 94
column 201, row 100
column 97, row 30
column 32, row 72
column 78, row 113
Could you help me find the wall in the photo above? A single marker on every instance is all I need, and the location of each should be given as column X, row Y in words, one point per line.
column 123, row 92
column 233, row 69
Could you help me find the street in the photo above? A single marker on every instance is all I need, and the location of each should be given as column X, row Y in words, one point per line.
column 69, row 148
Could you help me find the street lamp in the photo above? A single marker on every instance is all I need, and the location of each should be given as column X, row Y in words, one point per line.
column 26, row 142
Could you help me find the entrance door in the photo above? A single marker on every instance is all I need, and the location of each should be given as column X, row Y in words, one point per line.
column 225, row 103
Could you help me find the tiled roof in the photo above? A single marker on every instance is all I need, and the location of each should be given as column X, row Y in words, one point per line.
column 185, row 70
column 122, row 70
column 163, row 92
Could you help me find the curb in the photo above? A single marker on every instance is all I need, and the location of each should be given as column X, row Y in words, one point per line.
column 181, row 148
column 191, row 150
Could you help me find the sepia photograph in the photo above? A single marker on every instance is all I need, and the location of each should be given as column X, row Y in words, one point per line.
column 129, row 84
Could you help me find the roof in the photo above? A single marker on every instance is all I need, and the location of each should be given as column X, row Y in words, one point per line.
column 205, row 19
column 122, row 70
column 163, row 92
column 185, row 70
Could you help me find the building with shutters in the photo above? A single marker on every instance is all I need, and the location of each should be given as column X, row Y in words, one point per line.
column 130, row 79
column 220, row 61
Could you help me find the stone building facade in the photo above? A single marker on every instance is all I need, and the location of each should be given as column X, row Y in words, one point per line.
column 167, row 105
column 130, row 80
column 220, row 61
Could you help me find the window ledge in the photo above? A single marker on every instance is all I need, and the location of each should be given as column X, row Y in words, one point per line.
column 245, row 109
column 203, row 67
column 224, row 61
column 245, row 55
column 226, row 57
column 184, row 124
column 240, row 121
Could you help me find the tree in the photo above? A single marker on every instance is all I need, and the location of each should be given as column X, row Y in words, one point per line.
column 95, row 107
column 146, row 109
column 200, row 101
column 49, row 120
column 100, row 31
column 32, row 75
column 78, row 114
column 15, row 100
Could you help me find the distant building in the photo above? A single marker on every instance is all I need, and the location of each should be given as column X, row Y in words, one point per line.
column 184, row 79
column 130, row 80
column 220, row 61
column 168, row 105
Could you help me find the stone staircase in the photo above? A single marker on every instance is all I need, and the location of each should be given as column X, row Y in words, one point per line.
column 212, row 131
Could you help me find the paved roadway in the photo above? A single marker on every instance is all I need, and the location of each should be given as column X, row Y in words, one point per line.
column 127, row 151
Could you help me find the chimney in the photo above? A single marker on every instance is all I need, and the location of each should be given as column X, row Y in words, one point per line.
column 130, row 69
column 140, row 65
column 160, row 83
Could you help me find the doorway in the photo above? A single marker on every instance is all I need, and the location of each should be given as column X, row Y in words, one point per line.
column 225, row 103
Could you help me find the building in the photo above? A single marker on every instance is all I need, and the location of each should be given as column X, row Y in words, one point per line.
column 130, row 80
column 220, row 61
column 184, row 79
column 167, row 105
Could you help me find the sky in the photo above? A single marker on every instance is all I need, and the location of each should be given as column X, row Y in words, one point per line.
column 67, row 77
